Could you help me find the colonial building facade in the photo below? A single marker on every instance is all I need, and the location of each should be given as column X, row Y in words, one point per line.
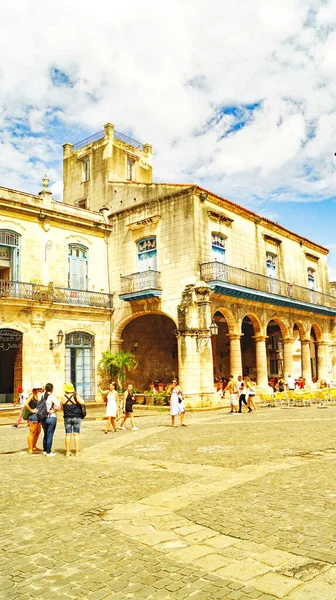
column 192, row 283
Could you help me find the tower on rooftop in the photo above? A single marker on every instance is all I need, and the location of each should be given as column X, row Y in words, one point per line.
column 106, row 157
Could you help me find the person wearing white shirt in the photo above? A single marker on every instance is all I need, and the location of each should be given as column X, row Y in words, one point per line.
column 290, row 383
column 49, row 423
column 22, row 400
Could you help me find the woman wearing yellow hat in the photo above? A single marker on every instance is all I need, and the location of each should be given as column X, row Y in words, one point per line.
column 70, row 404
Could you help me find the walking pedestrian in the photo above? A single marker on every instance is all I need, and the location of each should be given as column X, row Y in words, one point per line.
column 232, row 388
column 128, row 402
column 248, row 389
column 21, row 399
column 241, row 394
column 72, row 414
column 34, row 425
column 111, row 406
column 50, row 421
column 251, row 395
column 176, row 404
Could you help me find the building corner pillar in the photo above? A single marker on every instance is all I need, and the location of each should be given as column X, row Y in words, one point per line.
column 322, row 367
column 261, row 361
column 287, row 357
column 235, row 354
column 305, row 361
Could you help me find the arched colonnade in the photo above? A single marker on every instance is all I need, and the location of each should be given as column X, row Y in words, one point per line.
column 268, row 347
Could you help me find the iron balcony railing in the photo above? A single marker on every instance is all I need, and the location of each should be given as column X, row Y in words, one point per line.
column 93, row 138
column 128, row 140
column 216, row 271
column 53, row 295
column 139, row 282
column 99, row 136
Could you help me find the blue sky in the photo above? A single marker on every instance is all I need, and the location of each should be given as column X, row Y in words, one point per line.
column 240, row 98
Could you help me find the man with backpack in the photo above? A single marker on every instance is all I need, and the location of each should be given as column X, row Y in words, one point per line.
column 232, row 388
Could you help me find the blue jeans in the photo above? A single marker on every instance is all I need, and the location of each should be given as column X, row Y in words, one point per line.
column 49, row 426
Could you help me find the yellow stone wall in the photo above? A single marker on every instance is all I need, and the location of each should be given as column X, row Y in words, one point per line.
column 38, row 220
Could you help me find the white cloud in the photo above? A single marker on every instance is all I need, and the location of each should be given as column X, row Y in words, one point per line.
column 163, row 72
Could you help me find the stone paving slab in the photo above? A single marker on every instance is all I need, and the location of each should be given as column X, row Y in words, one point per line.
column 224, row 508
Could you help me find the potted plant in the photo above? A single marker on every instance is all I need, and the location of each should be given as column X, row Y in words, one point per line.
column 115, row 365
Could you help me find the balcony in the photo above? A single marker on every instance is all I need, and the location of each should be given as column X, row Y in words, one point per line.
column 231, row 281
column 53, row 295
column 139, row 286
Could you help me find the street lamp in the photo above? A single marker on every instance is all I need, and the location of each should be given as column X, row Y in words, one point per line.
column 203, row 338
column 60, row 337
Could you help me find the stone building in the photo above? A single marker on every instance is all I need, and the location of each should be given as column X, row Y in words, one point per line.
column 186, row 262
column 201, row 286
column 55, row 306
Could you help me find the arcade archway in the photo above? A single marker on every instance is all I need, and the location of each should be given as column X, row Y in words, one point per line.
column 153, row 341
column 10, row 363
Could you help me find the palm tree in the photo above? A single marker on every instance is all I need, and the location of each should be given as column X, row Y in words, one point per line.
column 114, row 365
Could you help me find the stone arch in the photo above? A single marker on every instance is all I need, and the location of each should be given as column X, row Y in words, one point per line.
column 120, row 326
column 11, row 339
column 229, row 317
column 318, row 332
column 302, row 329
column 255, row 322
column 151, row 337
column 283, row 326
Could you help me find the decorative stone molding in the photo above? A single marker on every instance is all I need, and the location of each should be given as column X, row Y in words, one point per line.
column 273, row 240
column 148, row 221
column 37, row 322
column 312, row 257
column 219, row 218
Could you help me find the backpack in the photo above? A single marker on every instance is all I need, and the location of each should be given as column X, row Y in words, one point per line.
column 82, row 407
column 41, row 407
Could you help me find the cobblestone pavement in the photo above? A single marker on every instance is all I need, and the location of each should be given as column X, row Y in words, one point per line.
column 232, row 506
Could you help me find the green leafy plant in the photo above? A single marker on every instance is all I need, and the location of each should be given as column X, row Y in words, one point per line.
column 115, row 365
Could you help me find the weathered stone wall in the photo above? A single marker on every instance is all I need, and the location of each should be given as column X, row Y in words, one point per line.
column 108, row 163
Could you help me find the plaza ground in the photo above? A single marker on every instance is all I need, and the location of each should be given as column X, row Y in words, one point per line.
column 231, row 506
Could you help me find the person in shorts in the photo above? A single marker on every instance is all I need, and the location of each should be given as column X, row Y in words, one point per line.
column 232, row 388
column 70, row 405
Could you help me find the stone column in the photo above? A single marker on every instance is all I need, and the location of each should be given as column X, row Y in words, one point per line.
column 194, row 344
column 287, row 357
column 261, row 360
column 116, row 344
column 322, row 367
column 235, row 355
column 305, row 361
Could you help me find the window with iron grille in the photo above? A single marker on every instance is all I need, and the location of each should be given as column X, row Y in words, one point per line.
column 79, row 348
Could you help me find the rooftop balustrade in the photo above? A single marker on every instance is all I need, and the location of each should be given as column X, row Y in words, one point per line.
column 99, row 136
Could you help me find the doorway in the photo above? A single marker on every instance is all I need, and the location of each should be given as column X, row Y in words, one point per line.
column 10, row 363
